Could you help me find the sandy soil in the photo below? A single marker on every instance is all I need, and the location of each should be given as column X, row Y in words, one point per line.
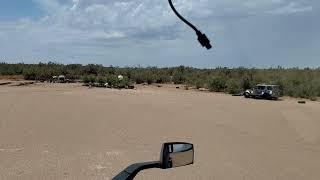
column 72, row 132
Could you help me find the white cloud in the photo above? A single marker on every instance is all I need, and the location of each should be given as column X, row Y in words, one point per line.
column 92, row 27
column 290, row 8
column 75, row 5
column 107, row 35
column 132, row 17
column 50, row 6
column 262, row 3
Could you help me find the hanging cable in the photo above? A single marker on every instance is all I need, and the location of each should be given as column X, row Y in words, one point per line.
column 202, row 38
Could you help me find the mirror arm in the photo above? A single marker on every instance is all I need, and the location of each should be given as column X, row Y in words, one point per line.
column 131, row 171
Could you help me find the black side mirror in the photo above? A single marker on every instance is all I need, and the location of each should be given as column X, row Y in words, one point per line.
column 176, row 154
column 172, row 155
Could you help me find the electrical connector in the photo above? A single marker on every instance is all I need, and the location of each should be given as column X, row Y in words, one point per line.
column 203, row 40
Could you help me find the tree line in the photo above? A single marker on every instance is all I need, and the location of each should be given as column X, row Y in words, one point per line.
column 294, row 82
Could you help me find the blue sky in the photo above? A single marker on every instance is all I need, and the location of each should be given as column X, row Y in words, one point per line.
column 252, row 33
column 11, row 10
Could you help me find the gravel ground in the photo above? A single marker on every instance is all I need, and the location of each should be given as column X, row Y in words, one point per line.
column 52, row 131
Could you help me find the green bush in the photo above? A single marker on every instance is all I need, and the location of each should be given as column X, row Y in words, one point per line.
column 162, row 78
column 293, row 82
column 246, row 83
column 217, row 84
column 123, row 83
column 139, row 77
column 233, row 87
column 179, row 78
column 199, row 84
column 150, row 78
column 30, row 74
column 89, row 79
column 101, row 80
column 112, row 80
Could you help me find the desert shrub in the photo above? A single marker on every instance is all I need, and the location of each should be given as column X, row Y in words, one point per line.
column 282, row 85
column 246, row 83
column 89, row 79
column 92, row 78
column 303, row 91
column 150, row 78
column 162, row 78
column 123, row 83
column 217, row 84
column 233, row 87
column 178, row 78
column 93, row 69
column 139, row 77
column 112, row 80
column 292, row 82
column 30, row 74
column 199, row 83
column 101, row 80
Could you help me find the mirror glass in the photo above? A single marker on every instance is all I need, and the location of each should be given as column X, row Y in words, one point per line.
column 176, row 155
column 181, row 155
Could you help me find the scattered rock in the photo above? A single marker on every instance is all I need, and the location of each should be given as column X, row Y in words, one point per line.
column 239, row 94
column 313, row 99
column 203, row 89
column 24, row 83
column 5, row 83
column 131, row 87
column 100, row 167
column 12, row 150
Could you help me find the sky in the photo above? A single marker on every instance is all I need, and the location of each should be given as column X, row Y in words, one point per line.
column 249, row 33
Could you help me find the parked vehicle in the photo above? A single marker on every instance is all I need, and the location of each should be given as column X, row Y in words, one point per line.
column 263, row 91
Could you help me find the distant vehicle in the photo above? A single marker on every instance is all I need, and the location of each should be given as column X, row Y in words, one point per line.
column 263, row 91
column 62, row 78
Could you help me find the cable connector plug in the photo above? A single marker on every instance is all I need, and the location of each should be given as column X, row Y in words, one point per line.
column 203, row 40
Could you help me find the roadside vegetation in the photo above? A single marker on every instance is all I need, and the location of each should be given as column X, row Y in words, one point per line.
column 294, row 82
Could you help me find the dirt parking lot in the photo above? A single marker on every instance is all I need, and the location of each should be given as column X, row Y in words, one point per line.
column 72, row 132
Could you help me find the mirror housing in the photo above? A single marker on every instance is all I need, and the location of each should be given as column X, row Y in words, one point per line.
column 172, row 155
column 176, row 154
